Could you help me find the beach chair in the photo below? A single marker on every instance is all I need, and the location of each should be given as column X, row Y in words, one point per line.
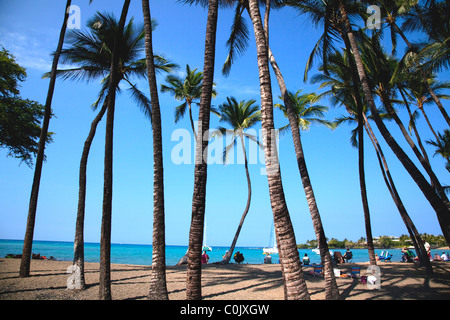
column 317, row 271
column 388, row 257
column 355, row 272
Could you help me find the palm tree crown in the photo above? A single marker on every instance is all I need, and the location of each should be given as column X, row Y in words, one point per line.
column 240, row 116
column 187, row 89
column 91, row 52
column 306, row 110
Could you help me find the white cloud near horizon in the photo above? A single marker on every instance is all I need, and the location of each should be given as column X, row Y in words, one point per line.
column 30, row 51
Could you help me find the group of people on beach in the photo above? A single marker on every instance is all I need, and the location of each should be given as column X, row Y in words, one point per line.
column 409, row 256
column 238, row 257
column 444, row 257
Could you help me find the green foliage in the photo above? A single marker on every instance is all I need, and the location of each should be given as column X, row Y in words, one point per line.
column 19, row 118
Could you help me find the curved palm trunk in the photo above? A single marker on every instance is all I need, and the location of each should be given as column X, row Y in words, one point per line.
column 331, row 289
column 294, row 283
column 105, row 240
column 192, row 121
column 194, row 266
column 415, row 236
column 28, row 239
column 441, row 209
column 78, row 256
column 229, row 254
column 158, row 286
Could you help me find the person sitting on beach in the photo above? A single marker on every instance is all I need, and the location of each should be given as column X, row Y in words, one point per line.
column 205, row 257
column 444, row 256
column 337, row 257
column 306, row 260
column 238, row 257
column 348, row 255
column 408, row 255
column 437, row 257
column 268, row 259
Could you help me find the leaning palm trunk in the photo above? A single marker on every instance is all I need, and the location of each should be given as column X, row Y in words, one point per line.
column 28, row 239
column 415, row 236
column 294, row 283
column 78, row 256
column 158, row 286
column 105, row 238
column 194, row 267
column 229, row 254
column 331, row 289
column 441, row 209
column 362, row 186
column 426, row 165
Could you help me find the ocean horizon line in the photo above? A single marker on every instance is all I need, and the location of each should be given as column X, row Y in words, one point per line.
column 138, row 244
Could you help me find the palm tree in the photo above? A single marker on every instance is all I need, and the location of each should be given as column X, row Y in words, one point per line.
column 188, row 90
column 432, row 18
column 28, row 239
column 105, row 238
column 240, row 116
column 91, row 52
column 306, row 109
column 328, row 15
column 194, row 267
column 237, row 43
column 420, row 95
column 342, row 91
column 382, row 69
column 158, row 286
column 438, row 204
column 294, row 283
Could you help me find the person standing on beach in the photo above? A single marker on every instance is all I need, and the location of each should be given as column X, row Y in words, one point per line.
column 205, row 257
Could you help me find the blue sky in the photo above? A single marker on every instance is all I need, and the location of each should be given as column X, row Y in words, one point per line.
column 29, row 30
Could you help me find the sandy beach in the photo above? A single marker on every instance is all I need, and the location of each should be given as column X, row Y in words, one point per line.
column 399, row 281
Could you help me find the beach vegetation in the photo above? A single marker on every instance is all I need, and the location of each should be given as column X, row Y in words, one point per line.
column 19, row 118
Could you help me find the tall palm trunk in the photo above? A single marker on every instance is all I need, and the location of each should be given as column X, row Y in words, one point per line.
column 441, row 209
column 28, row 239
column 415, row 236
column 78, row 256
column 105, row 240
column 294, row 283
column 229, row 254
column 331, row 289
column 158, row 286
column 194, row 266
column 361, row 168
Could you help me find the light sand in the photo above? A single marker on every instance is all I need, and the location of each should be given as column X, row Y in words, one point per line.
column 400, row 281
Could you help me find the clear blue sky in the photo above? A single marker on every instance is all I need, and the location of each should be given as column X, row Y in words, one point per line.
column 30, row 29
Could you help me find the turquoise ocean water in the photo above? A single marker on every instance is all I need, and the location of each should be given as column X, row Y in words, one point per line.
column 142, row 254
